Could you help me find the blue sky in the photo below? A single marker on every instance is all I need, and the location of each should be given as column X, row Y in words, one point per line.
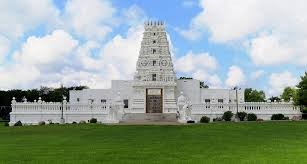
column 258, row 44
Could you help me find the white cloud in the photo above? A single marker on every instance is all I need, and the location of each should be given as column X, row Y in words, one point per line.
column 271, row 49
column 134, row 15
column 114, row 60
column 235, row 77
column 201, row 66
column 213, row 81
column 47, row 49
column 257, row 74
column 17, row 17
column 278, row 81
column 91, row 19
column 122, row 52
column 18, row 76
column 192, row 62
column 4, row 47
column 84, row 56
column 58, row 57
column 276, row 30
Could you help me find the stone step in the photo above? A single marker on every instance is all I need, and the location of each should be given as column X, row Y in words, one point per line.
column 149, row 117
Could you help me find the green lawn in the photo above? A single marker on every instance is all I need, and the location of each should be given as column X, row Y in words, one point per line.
column 266, row 142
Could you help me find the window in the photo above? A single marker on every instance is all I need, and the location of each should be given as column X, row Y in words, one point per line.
column 207, row 100
column 154, row 77
column 154, row 41
column 78, row 99
column 154, row 33
column 103, row 100
column 154, row 63
column 220, row 100
column 153, row 51
column 126, row 103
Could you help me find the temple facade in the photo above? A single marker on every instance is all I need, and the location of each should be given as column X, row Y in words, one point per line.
column 154, row 94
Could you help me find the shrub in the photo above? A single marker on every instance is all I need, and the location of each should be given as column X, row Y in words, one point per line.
column 204, row 119
column 191, row 121
column 18, row 123
column 277, row 117
column 93, row 120
column 217, row 119
column 286, row 118
column 241, row 115
column 42, row 123
column 6, row 124
column 227, row 116
column 74, row 122
column 304, row 113
column 259, row 120
column 251, row 117
column 82, row 122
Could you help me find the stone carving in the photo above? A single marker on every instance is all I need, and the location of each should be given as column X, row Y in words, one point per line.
column 184, row 109
column 116, row 109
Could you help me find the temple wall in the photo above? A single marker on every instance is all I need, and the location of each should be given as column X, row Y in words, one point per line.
column 190, row 88
column 86, row 95
column 192, row 91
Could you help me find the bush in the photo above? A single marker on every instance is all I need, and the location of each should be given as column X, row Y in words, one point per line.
column 93, row 120
column 82, row 122
column 74, row 122
column 277, row 117
column 191, row 121
column 204, row 119
column 286, row 118
column 18, row 123
column 304, row 113
column 241, row 115
column 227, row 116
column 6, row 124
column 251, row 117
column 42, row 123
column 259, row 120
column 217, row 119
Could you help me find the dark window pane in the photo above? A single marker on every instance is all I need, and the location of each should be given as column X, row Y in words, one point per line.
column 125, row 103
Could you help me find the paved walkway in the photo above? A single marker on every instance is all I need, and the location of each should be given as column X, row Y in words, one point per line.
column 149, row 123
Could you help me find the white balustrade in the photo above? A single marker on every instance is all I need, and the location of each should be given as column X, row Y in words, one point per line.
column 259, row 108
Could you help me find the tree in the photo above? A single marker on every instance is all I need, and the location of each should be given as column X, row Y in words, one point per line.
column 227, row 115
column 252, row 95
column 47, row 94
column 274, row 98
column 203, row 85
column 185, row 78
column 301, row 98
column 242, row 115
column 289, row 93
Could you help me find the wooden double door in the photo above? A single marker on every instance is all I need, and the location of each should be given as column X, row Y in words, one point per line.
column 154, row 100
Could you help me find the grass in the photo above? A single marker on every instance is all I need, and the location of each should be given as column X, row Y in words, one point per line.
column 248, row 142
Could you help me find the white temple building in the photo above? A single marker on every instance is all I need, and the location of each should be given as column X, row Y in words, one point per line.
column 155, row 94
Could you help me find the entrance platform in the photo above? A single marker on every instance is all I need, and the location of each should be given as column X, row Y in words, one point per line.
column 149, row 118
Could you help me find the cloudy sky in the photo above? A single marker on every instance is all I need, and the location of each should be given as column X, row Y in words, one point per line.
column 248, row 43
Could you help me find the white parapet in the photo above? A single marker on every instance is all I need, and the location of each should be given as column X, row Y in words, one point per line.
column 263, row 110
column 34, row 112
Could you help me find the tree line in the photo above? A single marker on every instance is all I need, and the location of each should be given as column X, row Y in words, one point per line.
column 46, row 93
